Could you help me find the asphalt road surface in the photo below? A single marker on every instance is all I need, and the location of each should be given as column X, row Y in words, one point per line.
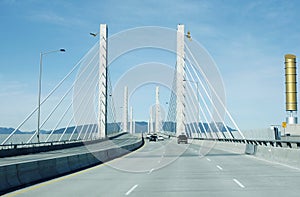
column 167, row 169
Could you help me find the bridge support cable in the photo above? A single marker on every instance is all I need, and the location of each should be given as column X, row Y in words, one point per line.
column 87, row 127
column 216, row 130
column 171, row 116
column 63, row 115
column 90, row 100
column 89, row 88
column 72, row 134
column 125, row 110
column 65, row 130
column 212, row 135
column 214, row 91
column 112, row 109
column 68, row 75
column 206, row 106
column 191, row 114
column 62, row 99
column 72, row 87
column 191, row 126
column 71, row 103
column 112, row 125
column 190, row 109
column 189, row 96
column 92, row 131
column 210, row 100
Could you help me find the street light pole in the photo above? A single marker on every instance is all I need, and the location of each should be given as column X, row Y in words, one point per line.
column 40, row 89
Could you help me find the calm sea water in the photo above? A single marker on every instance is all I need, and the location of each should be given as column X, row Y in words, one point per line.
column 23, row 138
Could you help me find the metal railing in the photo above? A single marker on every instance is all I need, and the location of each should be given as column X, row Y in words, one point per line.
column 272, row 143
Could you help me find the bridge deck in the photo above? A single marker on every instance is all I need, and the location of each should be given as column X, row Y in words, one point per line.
column 169, row 169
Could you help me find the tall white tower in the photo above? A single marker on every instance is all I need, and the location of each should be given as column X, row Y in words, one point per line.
column 131, row 121
column 102, row 106
column 180, row 83
column 151, row 121
column 125, row 109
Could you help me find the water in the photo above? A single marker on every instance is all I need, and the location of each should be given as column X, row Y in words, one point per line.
column 23, row 138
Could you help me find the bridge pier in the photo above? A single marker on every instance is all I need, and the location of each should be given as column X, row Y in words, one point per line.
column 102, row 107
column 180, row 83
column 125, row 109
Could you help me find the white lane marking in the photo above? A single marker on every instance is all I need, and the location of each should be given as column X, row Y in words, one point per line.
column 220, row 168
column 151, row 171
column 239, row 183
column 131, row 190
column 208, row 159
column 272, row 162
column 158, row 161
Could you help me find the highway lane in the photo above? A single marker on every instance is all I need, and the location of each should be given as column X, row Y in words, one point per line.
column 116, row 142
column 168, row 169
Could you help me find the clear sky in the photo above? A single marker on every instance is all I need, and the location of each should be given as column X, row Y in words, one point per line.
column 247, row 40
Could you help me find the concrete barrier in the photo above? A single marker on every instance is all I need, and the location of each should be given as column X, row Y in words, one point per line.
column 62, row 165
column 3, row 181
column 12, row 177
column 20, row 175
column 250, row 149
column 28, row 172
column 285, row 156
column 47, row 168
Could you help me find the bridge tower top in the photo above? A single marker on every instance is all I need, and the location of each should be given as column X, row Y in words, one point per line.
column 180, row 88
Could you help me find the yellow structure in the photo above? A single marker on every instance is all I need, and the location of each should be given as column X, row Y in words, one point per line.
column 290, row 82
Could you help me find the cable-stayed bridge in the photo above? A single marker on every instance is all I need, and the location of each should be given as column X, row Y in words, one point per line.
column 89, row 124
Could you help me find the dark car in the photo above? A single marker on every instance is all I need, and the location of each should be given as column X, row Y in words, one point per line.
column 182, row 139
column 153, row 138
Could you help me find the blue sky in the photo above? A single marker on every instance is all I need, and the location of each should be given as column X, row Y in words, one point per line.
column 247, row 40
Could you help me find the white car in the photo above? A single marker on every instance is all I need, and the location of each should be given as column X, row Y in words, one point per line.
column 148, row 135
column 160, row 138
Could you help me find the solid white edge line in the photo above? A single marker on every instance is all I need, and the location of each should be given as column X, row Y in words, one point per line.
column 272, row 162
column 220, row 168
column 239, row 183
column 129, row 191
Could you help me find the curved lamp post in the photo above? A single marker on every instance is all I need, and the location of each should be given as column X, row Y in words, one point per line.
column 40, row 89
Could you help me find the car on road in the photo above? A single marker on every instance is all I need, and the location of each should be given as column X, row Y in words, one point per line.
column 160, row 138
column 148, row 135
column 153, row 138
column 182, row 139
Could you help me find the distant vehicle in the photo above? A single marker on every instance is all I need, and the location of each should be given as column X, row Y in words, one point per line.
column 182, row 138
column 148, row 135
column 153, row 138
column 160, row 138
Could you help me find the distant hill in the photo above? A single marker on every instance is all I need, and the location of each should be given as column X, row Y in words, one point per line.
column 140, row 126
column 4, row 130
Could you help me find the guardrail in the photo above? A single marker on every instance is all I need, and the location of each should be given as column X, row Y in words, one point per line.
column 9, row 150
column 272, row 143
